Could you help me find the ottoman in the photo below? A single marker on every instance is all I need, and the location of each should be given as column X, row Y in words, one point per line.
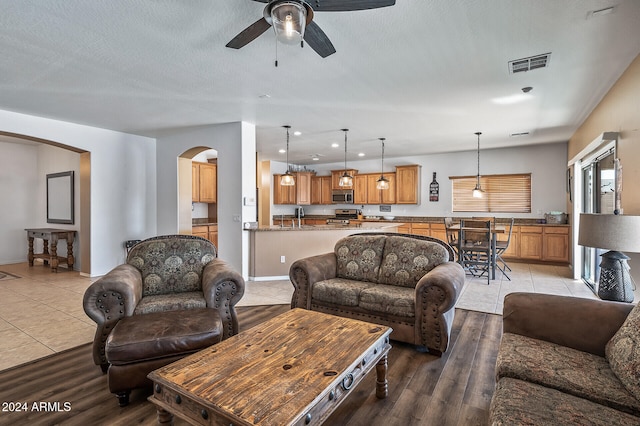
column 140, row 344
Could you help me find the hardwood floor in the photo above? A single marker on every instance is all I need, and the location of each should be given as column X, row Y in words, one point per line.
column 423, row 389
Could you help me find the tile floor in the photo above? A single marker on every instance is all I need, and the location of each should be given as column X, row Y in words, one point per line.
column 41, row 312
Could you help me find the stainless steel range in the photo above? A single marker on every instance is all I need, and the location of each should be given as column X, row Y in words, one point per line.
column 343, row 216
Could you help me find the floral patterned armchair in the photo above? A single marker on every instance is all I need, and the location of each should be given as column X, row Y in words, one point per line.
column 165, row 273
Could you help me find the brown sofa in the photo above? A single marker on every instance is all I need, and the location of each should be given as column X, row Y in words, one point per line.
column 567, row 360
column 407, row 282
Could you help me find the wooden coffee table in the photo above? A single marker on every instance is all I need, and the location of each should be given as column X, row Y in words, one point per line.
column 294, row 369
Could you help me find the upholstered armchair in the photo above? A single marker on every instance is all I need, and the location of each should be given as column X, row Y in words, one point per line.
column 165, row 273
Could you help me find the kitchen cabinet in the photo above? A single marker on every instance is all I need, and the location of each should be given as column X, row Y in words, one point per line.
column 204, row 185
column 421, row 228
column 389, row 195
column 555, row 244
column 335, row 178
column 513, row 251
column 360, row 188
column 365, row 189
column 321, row 190
column 438, row 231
column 408, row 184
column 298, row 194
column 531, row 242
column 209, row 232
column 547, row 243
column 283, row 194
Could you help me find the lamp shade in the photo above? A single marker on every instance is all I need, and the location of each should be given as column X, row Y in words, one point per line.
column 610, row 232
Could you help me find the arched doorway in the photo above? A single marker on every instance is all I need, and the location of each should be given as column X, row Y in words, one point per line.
column 68, row 158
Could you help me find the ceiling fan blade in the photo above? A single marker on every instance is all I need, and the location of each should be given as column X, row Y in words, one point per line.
column 347, row 5
column 318, row 40
column 249, row 34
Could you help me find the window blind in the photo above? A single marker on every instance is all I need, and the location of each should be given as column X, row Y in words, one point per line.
column 502, row 193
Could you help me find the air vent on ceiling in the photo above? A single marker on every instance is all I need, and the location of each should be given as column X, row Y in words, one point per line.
column 519, row 134
column 530, row 63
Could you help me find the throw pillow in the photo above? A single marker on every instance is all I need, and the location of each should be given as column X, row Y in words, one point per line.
column 623, row 353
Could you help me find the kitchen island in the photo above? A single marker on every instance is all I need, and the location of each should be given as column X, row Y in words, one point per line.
column 273, row 249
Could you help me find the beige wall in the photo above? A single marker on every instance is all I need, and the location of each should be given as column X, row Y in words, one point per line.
column 619, row 111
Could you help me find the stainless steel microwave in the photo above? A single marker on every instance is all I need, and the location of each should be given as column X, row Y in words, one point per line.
column 342, row 196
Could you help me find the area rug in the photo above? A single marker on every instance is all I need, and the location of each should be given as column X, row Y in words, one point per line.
column 4, row 276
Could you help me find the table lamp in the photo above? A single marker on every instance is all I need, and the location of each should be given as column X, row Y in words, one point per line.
column 615, row 233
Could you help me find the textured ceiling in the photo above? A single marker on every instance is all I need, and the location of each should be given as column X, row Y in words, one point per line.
column 424, row 74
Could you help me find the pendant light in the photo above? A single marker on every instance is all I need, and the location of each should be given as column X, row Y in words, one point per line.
column 287, row 178
column 346, row 179
column 477, row 191
column 383, row 182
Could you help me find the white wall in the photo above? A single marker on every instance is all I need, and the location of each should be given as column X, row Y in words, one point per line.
column 123, row 183
column 19, row 192
column 235, row 144
column 546, row 163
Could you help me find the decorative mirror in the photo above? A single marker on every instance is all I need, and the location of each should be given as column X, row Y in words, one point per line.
column 60, row 197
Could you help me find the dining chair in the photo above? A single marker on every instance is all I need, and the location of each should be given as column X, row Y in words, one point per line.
column 501, row 248
column 475, row 247
column 452, row 234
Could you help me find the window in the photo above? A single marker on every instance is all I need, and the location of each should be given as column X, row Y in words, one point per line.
column 502, row 193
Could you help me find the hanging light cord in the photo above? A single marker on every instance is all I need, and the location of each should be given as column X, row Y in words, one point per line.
column 345, row 149
column 478, row 175
column 382, row 162
column 287, row 127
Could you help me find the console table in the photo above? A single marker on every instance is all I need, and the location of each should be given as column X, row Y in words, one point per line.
column 53, row 235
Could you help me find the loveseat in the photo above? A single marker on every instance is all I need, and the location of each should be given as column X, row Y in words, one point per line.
column 567, row 360
column 407, row 282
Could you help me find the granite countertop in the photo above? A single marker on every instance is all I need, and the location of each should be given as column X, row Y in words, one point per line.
column 331, row 227
column 431, row 219
column 204, row 221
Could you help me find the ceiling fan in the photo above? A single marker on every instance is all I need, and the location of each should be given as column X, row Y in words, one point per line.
column 293, row 21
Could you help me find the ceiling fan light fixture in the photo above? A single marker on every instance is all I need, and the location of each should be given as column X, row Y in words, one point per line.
column 288, row 20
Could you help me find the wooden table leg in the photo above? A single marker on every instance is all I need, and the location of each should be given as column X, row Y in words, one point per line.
column 45, row 250
column 30, row 254
column 54, row 254
column 70, row 259
column 164, row 417
column 382, row 385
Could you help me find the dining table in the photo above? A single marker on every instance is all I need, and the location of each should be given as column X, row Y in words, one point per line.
column 495, row 230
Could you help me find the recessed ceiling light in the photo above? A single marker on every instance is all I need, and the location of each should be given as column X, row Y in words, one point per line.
column 297, row 133
column 361, row 154
column 315, row 158
column 334, row 145
column 264, row 96
column 282, row 151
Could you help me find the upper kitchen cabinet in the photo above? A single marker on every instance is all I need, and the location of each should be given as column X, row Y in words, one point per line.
column 366, row 189
column 321, row 190
column 337, row 174
column 299, row 193
column 408, row 184
column 204, row 185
